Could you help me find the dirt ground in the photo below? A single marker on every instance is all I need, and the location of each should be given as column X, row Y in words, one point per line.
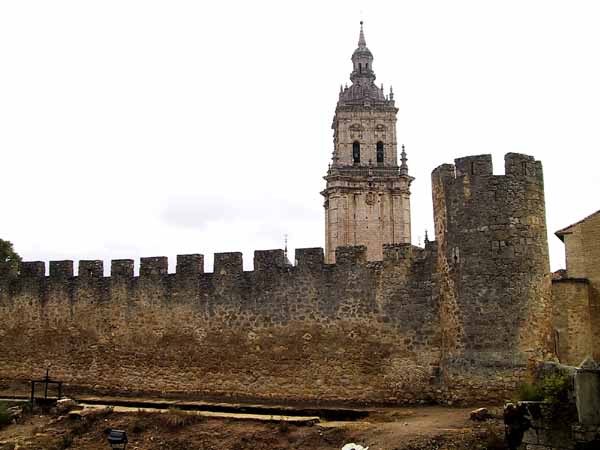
column 427, row 428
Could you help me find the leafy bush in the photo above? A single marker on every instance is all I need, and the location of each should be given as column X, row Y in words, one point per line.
column 551, row 389
column 555, row 388
column 10, row 261
column 529, row 392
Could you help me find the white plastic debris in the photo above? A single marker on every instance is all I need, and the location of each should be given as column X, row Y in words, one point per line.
column 353, row 446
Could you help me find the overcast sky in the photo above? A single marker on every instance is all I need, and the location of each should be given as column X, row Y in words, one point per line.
column 147, row 128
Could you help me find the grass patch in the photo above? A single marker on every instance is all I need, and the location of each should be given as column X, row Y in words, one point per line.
column 174, row 419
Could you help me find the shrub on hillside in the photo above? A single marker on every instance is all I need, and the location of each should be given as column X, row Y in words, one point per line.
column 4, row 414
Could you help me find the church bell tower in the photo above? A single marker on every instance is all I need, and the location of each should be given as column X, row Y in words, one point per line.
column 367, row 196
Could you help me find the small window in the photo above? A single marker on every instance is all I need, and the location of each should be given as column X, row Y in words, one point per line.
column 359, row 67
column 367, row 66
column 356, row 152
column 380, row 152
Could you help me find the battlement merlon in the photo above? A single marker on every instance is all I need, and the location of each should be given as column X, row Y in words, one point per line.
column 121, row 268
column 350, row 255
column 268, row 260
column 477, row 165
column 520, row 165
column 61, row 269
column 90, row 269
column 397, row 253
column 228, row 263
column 310, row 258
column 190, row 264
column 154, row 265
column 32, row 269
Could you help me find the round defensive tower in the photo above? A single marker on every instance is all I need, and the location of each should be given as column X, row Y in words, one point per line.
column 494, row 268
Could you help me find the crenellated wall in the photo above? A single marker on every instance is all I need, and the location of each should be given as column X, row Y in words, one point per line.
column 457, row 320
column 350, row 332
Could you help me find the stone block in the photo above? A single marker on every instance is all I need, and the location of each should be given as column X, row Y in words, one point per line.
column 587, row 395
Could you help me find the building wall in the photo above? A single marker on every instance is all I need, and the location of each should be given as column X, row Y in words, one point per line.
column 582, row 250
column 572, row 320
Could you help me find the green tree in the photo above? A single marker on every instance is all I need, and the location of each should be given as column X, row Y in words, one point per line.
column 10, row 261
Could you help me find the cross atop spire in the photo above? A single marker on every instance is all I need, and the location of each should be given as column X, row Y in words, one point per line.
column 361, row 39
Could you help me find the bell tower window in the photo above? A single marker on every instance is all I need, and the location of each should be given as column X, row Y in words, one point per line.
column 356, row 152
column 380, row 153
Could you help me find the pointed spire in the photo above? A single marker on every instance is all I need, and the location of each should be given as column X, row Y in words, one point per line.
column 403, row 166
column 361, row 40
column 392, row 94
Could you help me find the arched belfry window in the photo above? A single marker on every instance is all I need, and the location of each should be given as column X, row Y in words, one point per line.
column 360, row 67
column 356, row 152
column 380, row 152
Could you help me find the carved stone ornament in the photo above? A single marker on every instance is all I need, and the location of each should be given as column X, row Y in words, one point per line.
column 371, row 196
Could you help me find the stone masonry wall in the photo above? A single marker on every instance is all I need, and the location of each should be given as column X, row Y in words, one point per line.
column 572, row 320
column 353, row 332
column 495, row 295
